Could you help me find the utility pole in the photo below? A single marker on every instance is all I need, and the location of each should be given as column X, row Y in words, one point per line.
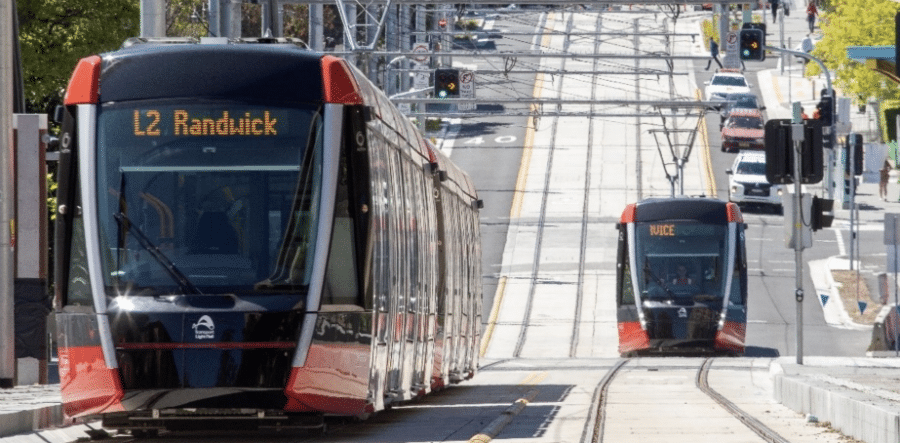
column 7, row 304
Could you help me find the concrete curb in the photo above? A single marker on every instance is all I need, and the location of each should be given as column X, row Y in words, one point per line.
column 856, row 414
column 21, row 422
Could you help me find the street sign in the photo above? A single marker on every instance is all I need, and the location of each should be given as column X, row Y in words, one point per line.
column 732, row 58
column 421, row 52
column 421, row 75
column 466, row 90
column 892, row 229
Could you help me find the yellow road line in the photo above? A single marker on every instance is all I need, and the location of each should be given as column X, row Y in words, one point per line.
column 518, row 197
column 706, row 157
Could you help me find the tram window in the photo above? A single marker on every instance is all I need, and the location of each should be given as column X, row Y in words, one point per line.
column 341, row 286
column 79, row 291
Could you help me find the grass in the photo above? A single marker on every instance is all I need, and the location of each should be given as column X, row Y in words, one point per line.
column 853, row 289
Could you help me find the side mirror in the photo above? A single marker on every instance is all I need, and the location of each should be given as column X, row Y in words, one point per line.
column 762, row 108
column 728, row 171
column 58, row 113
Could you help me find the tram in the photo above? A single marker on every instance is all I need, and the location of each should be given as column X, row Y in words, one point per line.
column 250, row 234
column 681, row 285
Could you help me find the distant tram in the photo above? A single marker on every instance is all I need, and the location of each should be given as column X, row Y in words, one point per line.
column 681, row 285
column 250, row 234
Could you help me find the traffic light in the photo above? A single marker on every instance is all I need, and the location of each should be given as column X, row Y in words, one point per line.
column 446, row 83
column 826, row 110
column 853, row 142
column 780, row 152
column 812, row 168
column 822, row 213
column 752, row 42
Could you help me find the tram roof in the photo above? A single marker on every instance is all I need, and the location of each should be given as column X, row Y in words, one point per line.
column 161, row 71
column 699, row 209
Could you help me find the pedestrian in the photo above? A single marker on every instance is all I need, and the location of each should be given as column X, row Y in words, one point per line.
column 811, row 13
column 714, row 53
column 882, row 184
column 774, row 4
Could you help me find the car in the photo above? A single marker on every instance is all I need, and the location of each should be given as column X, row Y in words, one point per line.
column 723, row 83
column 738, row 101
column 747, row 184
column 743, row 129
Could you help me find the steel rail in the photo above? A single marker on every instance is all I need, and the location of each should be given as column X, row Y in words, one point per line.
column 542, row 215
column 597, row 411
column 585, row 207
column 767, row 433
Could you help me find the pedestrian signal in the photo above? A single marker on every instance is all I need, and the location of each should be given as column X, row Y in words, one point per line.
column 752, row 42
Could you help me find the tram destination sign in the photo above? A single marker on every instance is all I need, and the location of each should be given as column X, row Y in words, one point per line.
column 181, row 122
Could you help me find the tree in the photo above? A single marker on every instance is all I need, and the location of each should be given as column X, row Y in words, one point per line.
column 856, row 23
column 55, row 34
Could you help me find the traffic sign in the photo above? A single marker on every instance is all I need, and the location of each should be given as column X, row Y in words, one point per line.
column 443, row 23
column 421, row 52
column 421, row 75
column 466, row 90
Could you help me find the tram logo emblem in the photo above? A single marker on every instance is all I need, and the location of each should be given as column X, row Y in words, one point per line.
column 682, row 313
column 204, row 329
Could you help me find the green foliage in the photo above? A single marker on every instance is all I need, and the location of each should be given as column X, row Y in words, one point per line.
column 856, row 23
column 55, row 34
column 709, row 30
column 887, row 118
column 467, row 25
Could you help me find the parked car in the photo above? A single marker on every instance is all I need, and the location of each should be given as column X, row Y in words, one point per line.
column 747, row 184
column 726, row 82
column 738, row 101
column 743, row 129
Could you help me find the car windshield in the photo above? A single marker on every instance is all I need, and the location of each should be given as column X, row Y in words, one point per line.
column 751, row 168
column 745, row 122
column 723, row 80
column 742, row 101
column 207, row 198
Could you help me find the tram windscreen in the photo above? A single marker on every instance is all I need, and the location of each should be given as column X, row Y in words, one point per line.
column 681, row 260
column 207, row 198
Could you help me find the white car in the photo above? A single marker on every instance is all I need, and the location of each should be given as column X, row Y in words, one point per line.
column 724, row 83
column 747, row 184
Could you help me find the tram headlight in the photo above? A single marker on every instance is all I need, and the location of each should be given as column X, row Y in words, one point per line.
column 722, row 320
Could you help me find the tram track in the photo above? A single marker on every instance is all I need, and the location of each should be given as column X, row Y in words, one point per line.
column 542, row 214
column 582, row 250
column 595, row 424
column 767, row 433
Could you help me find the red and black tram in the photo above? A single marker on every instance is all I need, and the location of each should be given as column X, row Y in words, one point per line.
column 252, row 231
column 681, row 285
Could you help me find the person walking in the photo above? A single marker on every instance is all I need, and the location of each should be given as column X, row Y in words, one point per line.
column 714, row 53
column 882, row 184
column 774, row 4
column 811, row 13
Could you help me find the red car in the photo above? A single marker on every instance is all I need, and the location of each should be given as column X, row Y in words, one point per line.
column 743, row 130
